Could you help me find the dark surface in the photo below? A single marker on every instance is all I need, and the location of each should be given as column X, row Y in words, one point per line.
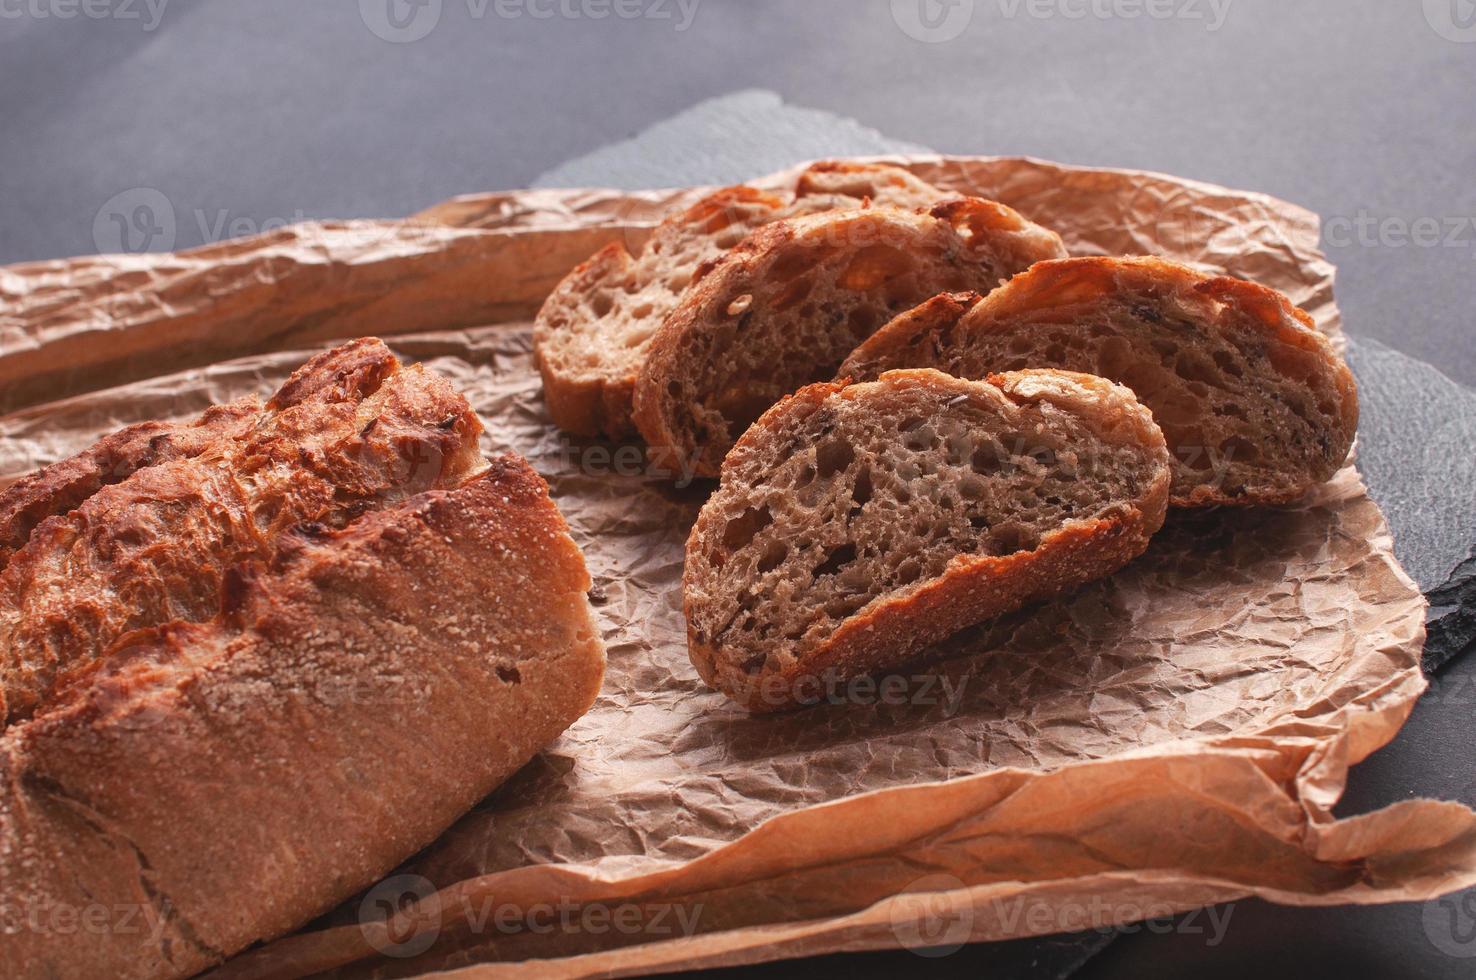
column 275, row 108
column 248, row 114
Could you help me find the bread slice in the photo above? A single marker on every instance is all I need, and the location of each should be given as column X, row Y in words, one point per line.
column 591, row 335
column 855, row 525
column 1256, row 405
column 349, row 432
column 785, row 308
column 61, row 487
column 209, row 785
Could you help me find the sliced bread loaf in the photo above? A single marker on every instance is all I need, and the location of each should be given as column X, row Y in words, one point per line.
column 855, row 525
column 785, row 308
column 1256, row 405
column 592, row 332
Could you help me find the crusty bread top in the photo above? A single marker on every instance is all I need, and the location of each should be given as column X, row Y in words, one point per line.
column 855, row 524
column 227, row 781
column 348, row 432
column 62, row 486
column 1255, row 403
column 593, row 330
column 783, row 309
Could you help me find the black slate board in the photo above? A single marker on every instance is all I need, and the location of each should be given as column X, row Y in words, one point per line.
column 1417, row 451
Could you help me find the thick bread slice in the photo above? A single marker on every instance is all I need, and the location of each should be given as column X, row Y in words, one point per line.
column 62, row 486
column 591, row 335
column 785, row 308
column 1256, row 405
column 855, row 525
column 350, row 431
column 209, row 785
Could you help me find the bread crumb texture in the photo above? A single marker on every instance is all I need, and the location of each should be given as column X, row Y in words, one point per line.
column 855, row 525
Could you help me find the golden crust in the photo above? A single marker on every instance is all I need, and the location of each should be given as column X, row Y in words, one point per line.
column 938, row 334
column 702, row 350
column 64, row 485
column 369, row 683
column 589, row 371
column 349, row 431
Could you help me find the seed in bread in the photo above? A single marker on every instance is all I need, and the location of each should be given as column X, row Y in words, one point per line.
column 856, row 525
column 1256, row 405
column 591, row 335
column 784, row 309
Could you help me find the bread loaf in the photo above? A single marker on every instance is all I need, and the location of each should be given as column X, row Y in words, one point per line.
column 367, row 670
column 855, row 525
column 784, row 309
column 592, row 333
column 348, row 432
column 1256, row 405
column 64, row 485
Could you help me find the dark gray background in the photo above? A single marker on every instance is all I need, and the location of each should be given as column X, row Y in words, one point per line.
column 251, row 113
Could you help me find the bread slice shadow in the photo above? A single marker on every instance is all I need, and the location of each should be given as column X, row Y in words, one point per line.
column 1054, row 663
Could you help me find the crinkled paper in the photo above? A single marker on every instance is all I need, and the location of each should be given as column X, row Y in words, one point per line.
column 1172, row 737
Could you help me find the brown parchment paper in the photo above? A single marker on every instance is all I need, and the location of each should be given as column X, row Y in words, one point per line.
column 1172, row 737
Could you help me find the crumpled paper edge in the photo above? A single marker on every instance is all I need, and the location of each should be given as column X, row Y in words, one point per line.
column 1291, row 805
